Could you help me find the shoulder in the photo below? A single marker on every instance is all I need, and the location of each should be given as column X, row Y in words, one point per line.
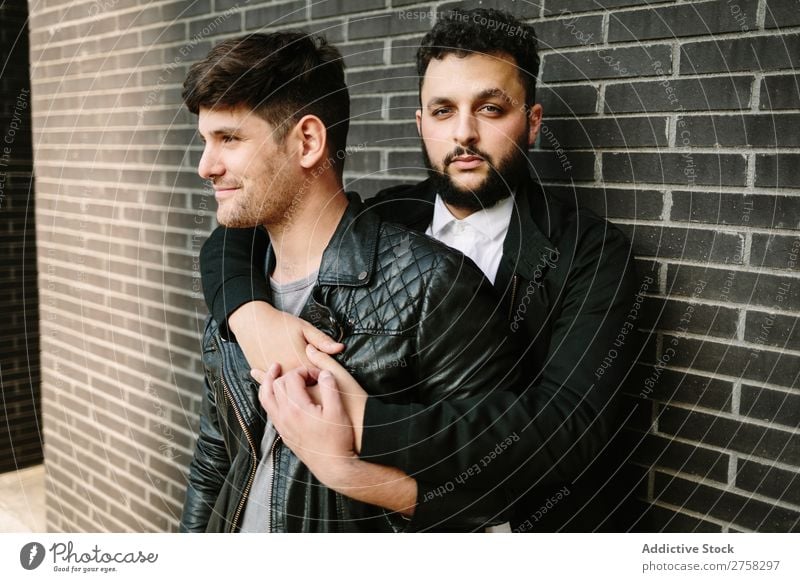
column 409, row 204
column 569, row 224
column 403, row 250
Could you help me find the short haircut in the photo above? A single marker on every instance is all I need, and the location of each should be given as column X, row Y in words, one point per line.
column 483, row 31
column 280, row 76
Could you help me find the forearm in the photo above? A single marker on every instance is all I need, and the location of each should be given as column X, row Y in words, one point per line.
column 250, row 323
column 543, row 430
column 547, row 435
column 379, row 485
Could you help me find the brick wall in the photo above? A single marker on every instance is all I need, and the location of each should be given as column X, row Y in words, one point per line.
column 677, row 120
column 20, row 442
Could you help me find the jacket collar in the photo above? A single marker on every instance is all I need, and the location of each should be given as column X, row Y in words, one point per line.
column 349, row 258
column 527, row 249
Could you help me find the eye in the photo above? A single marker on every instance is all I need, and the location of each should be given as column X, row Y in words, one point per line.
column 228, row 138
column 441, row 111
column 491, row 109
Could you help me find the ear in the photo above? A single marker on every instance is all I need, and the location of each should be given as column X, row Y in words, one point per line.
column 418, row 115
column 312, row 137
column 535, row 119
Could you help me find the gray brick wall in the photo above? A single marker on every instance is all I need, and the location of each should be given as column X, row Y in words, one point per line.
column 20, row 435
column 677, row 120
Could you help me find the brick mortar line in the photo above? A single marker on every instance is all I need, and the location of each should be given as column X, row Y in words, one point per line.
column 101, row 184
column 682, row 511
column 130, row 221
column 107, row 292
column 72, row 525
column 733, row 464
column 698, row 189
column 154, row 380
column 75, row 268
column 192, row 355
column 76, row 489
column 54, row 328
column 120, row 13
column 736, row 399
column 46, row 148
column 741, row 455
column 143, row 450
column 761, row 13
column 652, row 78
column 165, row 366
column 97, row 391
column 753, row 269
column 125, row 241
column 741, row 150
column 666, row 469
column 747, row 420
column 669, row 114
column 104, row 462
column 139, row 520
column 731, row 343
column 717, row 376
column 131, row 462
column 705, row 226
column 136, row 462
column 670, row 41
column 730, row 489
column 633, row 8
column 741, row 324
column 666, row 208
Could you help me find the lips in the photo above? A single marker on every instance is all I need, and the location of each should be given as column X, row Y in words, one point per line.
column 222, row 193
column 467, row 162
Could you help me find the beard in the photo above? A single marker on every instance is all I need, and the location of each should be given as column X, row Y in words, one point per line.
column 499, row 184
column 270, row 201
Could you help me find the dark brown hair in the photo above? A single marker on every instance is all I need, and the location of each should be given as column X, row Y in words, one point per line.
column 281, row 76
column 482, row 31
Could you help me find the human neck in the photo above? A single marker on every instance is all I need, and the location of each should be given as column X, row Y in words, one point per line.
column 299, row 242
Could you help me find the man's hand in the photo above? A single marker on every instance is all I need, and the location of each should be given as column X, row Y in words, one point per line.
column 267, row 335
column 318, row 431
column 353, row 396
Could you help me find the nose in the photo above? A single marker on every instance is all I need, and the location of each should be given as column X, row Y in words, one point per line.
column 210, row 165
column 466, row 131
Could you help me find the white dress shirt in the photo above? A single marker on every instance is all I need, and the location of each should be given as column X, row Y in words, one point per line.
column 480, row 235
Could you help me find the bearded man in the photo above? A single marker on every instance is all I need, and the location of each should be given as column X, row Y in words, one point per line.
column 562, row 277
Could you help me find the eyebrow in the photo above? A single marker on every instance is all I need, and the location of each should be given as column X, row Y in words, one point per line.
column 484, row 94
column 495, row 92
column 222, row 131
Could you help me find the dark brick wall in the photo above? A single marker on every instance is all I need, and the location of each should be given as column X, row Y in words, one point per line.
column 677, row 120
column 20, row 428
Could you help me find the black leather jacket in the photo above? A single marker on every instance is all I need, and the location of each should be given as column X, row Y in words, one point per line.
column 567, row 287
column 419, row 324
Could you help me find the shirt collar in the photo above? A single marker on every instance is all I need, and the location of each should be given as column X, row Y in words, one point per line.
column 491, row 222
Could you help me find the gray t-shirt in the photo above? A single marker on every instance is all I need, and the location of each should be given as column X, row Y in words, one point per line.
column 289, row 298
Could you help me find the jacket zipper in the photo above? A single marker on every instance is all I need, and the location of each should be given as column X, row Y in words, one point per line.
column 271, row 480
column 514, row 281
column 250, row 441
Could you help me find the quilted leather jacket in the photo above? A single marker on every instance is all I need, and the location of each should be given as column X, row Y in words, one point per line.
column 419, row 323
column 567, row 287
